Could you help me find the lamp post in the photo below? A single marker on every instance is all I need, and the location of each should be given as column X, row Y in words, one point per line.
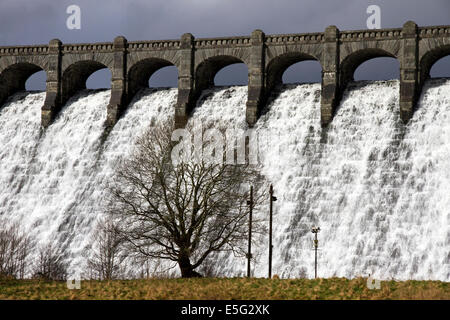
column 315, row 230
column 249, row 254
column 272, row 199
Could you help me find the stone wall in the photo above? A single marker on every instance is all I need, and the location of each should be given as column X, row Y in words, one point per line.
column 198, row 60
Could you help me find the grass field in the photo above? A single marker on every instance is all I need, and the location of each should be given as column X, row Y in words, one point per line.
column 224, row 289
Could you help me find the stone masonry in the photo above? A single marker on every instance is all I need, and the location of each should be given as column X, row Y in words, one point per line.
column 198, row 60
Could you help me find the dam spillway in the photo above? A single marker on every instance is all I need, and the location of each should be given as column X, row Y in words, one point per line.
column 378, row 188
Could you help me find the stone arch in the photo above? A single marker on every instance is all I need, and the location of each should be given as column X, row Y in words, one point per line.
column 75, row 75
column 378, row 69
column 140, row 72
column 208, row 68
column 14, row 76
column 105, row 59
column 278, row 65
column 430, row 58
column 37, row 81
column 352, row 61
column 235, row 74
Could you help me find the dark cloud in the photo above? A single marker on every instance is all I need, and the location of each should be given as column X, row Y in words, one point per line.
column 24, row 21
column 38, row 21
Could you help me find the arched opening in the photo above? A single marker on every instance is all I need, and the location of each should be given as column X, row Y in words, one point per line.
column 235, row 74
column 36, row 82
column 207, row 75
column 75, row 77
column 166, row 77
column 351, row 63
column 293, row 67
column 378, row 69
column 441, row 68
column 100, row 79
column 14, row 77
column 141, row 74
column 435, row 63
column 303, row 72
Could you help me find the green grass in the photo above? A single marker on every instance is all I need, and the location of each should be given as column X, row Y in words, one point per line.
column 225, row 289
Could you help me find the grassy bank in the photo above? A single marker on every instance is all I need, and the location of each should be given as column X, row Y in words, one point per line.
column 224, row 289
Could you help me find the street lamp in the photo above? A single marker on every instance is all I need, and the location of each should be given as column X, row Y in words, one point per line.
column 315, row 230
column 272, row 199
column 249, row 254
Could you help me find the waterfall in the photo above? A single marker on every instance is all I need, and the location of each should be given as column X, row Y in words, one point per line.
column 377, row 188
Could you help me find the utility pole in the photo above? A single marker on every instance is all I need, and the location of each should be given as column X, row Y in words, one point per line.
column 315, row 230
column 272, row 199
column 249, row 254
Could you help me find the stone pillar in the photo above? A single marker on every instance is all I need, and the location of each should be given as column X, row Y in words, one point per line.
column 409, row 84
column 118, row 82
column 185, row 81
column 52, row 102
column 330, row 74
column 256, row 92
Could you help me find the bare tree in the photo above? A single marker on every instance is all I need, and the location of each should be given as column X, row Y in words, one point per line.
column 107, row 254
column 50, row 263
column 179, row 212
column 15, row 247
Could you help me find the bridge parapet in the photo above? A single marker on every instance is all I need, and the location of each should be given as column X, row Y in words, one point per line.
column 87, row 47
column 23, row 50
column 198, row 61
column 218, row 42
column 382, row 34
column 153, row 45
column 294, row 38
column 435, row 31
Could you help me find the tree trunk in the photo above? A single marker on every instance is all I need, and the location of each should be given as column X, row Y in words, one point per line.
column 186, row 268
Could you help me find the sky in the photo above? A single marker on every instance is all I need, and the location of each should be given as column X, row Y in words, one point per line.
column 24, row 22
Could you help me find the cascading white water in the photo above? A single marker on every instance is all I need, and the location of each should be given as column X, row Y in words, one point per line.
column 337, row 181
column 356, row 180
column 53, row 184
column 20, row 130
column 377, row 188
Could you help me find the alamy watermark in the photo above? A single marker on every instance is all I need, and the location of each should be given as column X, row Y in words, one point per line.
column 74, row 19
column 232, row 146
column 374, row 20
column 74, row 283
column 373, row 283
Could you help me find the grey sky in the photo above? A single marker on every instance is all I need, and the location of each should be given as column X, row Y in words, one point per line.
column 38, row 21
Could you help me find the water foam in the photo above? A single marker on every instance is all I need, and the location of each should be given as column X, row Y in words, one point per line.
column 377, row 188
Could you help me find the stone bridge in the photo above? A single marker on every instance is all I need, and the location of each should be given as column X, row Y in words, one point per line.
column 198, row 60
